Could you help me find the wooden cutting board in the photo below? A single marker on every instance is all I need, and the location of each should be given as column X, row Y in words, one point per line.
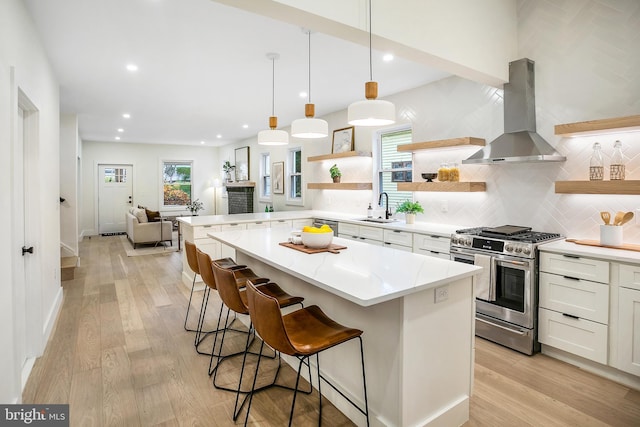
column 625, row 246
column 302, row 248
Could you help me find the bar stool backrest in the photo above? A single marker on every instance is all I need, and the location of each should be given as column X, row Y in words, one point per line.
column 228, row 289
column 267, row 320
column 204, row 264
column 192, row 256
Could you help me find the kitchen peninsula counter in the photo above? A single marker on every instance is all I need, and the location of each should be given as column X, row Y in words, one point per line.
column 418, row 352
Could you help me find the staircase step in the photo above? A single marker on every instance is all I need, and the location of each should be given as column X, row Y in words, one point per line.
column 68, row 266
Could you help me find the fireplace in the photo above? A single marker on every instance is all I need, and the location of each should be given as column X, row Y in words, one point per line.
column 240, row 197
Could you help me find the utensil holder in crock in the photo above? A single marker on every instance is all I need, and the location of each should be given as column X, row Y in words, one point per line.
column 611, row 235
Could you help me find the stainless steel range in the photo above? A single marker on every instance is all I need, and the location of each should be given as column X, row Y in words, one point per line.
column 507, row 290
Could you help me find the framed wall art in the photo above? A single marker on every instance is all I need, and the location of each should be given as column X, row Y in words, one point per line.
column 277, row 171
column 343, row 140
column 242, row 163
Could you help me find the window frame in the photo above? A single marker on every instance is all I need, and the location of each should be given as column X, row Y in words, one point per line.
column 265, row 163
column 377, row 161
column 290, row 165
column 172, row 208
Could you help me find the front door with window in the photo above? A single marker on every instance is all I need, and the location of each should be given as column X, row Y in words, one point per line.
column 115, row 197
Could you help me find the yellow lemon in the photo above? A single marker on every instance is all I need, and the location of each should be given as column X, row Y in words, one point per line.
column 306, row 229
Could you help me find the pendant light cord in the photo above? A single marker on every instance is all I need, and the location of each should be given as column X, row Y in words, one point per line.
column 370, row 55
column 309, row 50
column 273, row 86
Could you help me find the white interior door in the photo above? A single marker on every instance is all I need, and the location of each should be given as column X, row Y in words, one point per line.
column 115, row 197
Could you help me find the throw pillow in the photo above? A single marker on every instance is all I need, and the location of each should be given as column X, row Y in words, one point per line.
column 152, row 216
column 141, row 215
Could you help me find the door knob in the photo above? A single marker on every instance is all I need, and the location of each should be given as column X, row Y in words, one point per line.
column 27, row 249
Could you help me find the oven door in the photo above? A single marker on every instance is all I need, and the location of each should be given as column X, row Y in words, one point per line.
column 514, row 292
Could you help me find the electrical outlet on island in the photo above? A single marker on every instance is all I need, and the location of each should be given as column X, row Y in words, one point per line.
column 441, row 294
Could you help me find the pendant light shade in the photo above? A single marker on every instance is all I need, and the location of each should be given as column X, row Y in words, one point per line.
column 372, row 112
column 273, row 136
column 309, row 127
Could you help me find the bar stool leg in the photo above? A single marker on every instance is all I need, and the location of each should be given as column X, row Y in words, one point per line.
column 319, row 388
column 193, row 285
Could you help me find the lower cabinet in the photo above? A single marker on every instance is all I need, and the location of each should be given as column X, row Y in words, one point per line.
column 629, row 319
column 431, row 245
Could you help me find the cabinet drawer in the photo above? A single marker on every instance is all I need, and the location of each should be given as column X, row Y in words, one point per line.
column 349, row 229
column 575, row 266
column 399, row 238
column 233, row 226
column 431, row 243
column 396, row 246
column 297, row 224
column 347, row 236
column 258, row 224
column 581, row 298
column 427, row 252
column 371, row 233
column 200, row 232
column 630, row 276
column 629, row 331
column 283, row 223
column 577, row 336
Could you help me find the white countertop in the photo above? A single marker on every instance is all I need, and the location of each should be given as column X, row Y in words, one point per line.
column 569, row 248
column 444, row 230
column 363, row 273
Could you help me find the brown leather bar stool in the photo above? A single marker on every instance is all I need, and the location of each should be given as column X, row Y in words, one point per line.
column 206, row 272
column 236, row 300
column 302, row 333
column 192, row 260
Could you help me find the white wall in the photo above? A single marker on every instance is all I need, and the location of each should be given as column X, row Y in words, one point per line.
column 69, row 143
column 20, row 48
column 147, row 173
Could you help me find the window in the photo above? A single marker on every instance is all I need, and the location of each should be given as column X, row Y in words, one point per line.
column 115, row 175
column 265, row 176
column 394, row 167
column 295, row 175
column 176, row 183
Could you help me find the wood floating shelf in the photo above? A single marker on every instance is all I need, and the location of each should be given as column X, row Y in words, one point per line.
column 340, row 186
column 598, row 187
column 443, row 143
column 591, row 127
column 339, row 156
column 459, row 187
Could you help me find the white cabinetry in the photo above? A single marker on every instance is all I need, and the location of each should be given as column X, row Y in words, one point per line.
column 398, row 239
column 361, row 233
column 574, row 305
column 257, row 225
column 227, row 251
column 629, row 319
column 284, row 223
column 298, row 224
column 431, row 245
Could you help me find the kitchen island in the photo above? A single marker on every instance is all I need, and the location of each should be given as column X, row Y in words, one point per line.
column 417, row 314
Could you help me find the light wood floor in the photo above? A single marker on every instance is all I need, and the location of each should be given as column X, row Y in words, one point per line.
column 119, row 356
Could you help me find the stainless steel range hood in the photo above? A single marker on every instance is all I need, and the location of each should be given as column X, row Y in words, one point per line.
column 520, row 143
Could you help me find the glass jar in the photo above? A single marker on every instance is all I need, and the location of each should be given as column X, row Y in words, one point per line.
column 596, row 165
column 454, row 172
column 616, row 170
column 443, row 172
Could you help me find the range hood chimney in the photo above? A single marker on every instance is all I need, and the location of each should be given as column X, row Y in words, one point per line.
column 520, row 143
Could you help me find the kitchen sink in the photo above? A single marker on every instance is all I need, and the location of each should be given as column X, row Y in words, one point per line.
column 378, row 220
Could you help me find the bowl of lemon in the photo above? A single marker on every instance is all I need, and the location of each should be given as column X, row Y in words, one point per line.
column 317, row 237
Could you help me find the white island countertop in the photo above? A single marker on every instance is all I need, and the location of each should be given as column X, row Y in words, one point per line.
column 364, row 274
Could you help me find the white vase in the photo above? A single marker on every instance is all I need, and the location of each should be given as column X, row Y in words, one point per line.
column 410, row 218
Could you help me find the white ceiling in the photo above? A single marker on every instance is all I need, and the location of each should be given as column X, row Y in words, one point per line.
column 203, row 69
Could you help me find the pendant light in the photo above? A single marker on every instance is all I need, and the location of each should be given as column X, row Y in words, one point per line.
column 372, row 112
column 309, row 127
column 273, row 136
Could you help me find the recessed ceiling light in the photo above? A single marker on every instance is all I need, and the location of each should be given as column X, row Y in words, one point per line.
column 303, row 94
column 126, row 115
column 218, row 136
column 117, row 138
column 245, row 126
column 387, row 57
column 132, row 67
column 120, row 130
column 202, row 142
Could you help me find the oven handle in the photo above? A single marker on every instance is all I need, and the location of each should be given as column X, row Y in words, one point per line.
column 515, row 331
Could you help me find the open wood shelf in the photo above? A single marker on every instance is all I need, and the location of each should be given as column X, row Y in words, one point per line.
column 598, row 187
column 590, row 127
column 459, row 187
column 340, row 186
column 442, row 143
column 339, row 156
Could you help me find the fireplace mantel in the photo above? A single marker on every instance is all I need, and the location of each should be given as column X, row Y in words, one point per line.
column 240, row 184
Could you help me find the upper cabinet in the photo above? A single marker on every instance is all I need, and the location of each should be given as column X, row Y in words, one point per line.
column 601, row 126
column 447, row 186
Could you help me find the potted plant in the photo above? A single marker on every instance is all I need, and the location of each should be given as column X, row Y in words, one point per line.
column 194, row 206
column 410, row 209
column 227, row 167
column 335, row 173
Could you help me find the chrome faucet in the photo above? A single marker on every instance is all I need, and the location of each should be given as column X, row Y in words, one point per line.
column 387, row 213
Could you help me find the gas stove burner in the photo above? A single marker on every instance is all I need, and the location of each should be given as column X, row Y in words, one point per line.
column 510, row 233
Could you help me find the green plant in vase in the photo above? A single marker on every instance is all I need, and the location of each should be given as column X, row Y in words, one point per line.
column 195, row 206
column 335, row 173
column 227, row 167
column 410, row 209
